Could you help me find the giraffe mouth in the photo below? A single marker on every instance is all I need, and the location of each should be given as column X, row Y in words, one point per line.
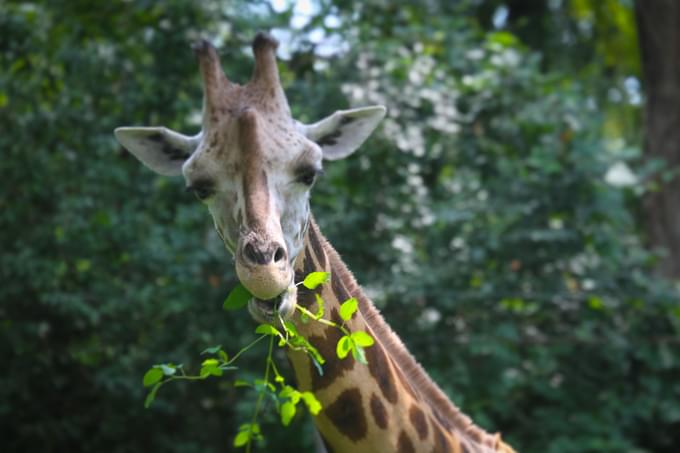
column 272, row 310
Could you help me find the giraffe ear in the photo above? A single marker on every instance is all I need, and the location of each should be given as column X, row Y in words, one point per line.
column 162, row 150
column 340, row 134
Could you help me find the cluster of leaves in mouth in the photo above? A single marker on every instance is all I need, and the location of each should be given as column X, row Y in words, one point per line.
column 285, row 397
column 237, row 298
column 240, row 296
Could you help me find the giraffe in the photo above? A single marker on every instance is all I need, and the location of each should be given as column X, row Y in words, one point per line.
column 253, row 165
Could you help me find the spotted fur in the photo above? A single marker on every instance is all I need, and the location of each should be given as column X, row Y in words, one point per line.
column 333, row 368
column 379, row 412
column 417, row 417
column 381, row 371
column 404, row 444
column 347, row 414
column 399, row 395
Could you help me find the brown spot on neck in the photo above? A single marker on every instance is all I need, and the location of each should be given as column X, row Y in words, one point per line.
column 404, row 444
column 379, row 412
column 381, row 371
column 346, row 413
column 419, row 421
column 441, row 442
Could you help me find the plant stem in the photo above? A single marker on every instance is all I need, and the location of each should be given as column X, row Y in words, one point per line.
column 236, row 356
column 322, row 320
column 261, row 394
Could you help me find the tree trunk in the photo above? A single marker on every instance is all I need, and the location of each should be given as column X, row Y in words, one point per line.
column 659, row 35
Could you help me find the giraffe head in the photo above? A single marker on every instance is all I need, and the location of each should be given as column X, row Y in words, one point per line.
column 253, row 166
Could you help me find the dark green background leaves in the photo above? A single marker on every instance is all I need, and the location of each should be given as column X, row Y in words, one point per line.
column 478, row 218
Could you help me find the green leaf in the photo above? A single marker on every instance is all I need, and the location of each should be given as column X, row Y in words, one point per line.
column 301, row 341
column 315, row 279
column 290, row 327
column 212, row 350
column 152, row 376
column 287, row 412
column 267, row 329
column 237, row 298
column 277, row 377
column 211, row 368
column 316, row 355
column 348, row 308
column 252, row 431
column 363, row 339
column 320, row 307
column 287, row 391
column 291, row 394
column 151, row 396
column 343, row 347
column 168, row 369
column 223, row 356
column 242, row 438
column 312, row 403
column 317, row 364
column 241, row 383
column 359, row 354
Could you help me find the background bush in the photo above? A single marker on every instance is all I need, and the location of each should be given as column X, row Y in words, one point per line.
column 483, row 218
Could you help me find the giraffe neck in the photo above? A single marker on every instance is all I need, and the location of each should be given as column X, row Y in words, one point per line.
column 389, row 405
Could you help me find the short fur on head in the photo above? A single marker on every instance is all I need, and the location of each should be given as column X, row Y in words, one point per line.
column 253, row 165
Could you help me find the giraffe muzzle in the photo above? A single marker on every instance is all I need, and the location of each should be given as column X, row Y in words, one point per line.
column 262, row 267
column 274, row 310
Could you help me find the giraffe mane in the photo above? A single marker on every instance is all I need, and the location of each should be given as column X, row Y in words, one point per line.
column 414, row 373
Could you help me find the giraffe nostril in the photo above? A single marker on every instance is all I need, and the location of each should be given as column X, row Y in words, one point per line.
column 253, row 255
column 263, row 255
column 279, row 255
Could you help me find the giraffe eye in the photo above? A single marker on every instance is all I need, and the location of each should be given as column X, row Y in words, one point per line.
column 307, row 176
column 202, row 192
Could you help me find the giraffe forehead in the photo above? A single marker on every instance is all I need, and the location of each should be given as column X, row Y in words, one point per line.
column 255, row 111
column 250, row 145
column 275, row 140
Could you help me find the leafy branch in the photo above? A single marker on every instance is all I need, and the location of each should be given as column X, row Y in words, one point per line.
column 285, row 397
column 353, row 342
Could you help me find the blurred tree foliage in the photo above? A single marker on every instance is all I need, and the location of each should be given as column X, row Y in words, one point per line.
column 484, row 218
